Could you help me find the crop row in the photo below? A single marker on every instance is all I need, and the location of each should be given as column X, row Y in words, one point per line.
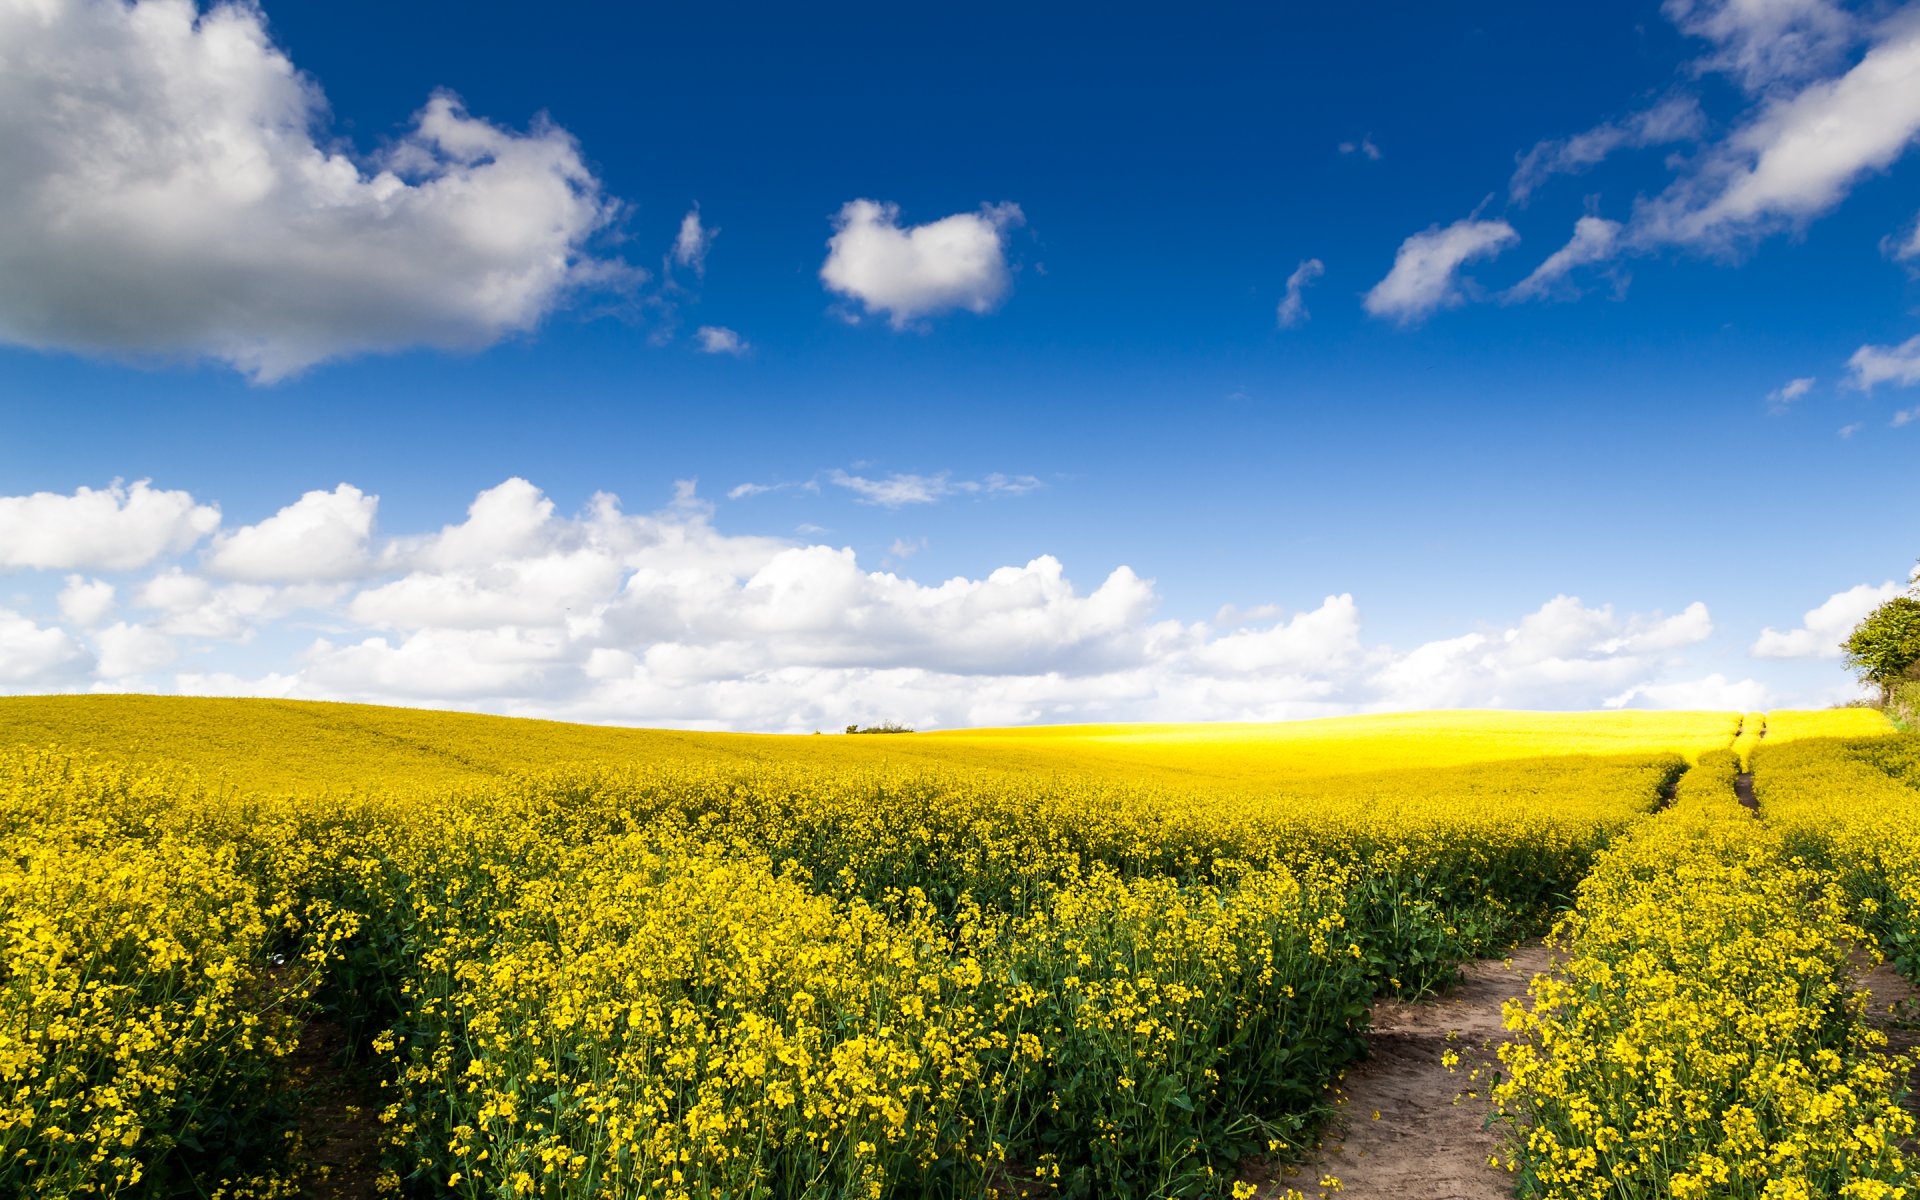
column 1703, row 1036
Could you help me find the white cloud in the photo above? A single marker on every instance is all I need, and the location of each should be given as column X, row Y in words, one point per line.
column 1899, row 365
column 187, row 605
column 170, row 191
column 1908, row 249
column 129, row 650
column 85, row 602
column 108, row 529
column 1424, row 269
column 691, row 244
column 1675, row 119
column 1848, row 430
column 1594, row 239
column 1293, row 307
column 1781, row 398
column 915, row 271
column 1905, row 416
column 900, row 489
column 1765, row 42
column 662, row 619
column 1363, row 147
column 1801, row 154
column 718, row 339
column 323, row 535
column 31, row 655
column 1711, row 693
column 1825, row 626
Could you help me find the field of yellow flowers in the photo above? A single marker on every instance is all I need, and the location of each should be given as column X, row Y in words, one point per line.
column 1091, row 961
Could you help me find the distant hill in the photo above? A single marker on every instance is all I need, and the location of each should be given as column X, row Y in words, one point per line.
column 308, row 746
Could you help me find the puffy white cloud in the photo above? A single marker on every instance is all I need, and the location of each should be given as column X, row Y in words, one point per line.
column 31, row 655
column 1781, row 398
column 85, row 602
column 691, row 244
column 660, row 618
column 187, row 605
column 1905, row 416
column 718, row 339
column 1710, row 693
column 169, row 192
column 322, row 535
column 1826, row 625
column 1800, row 154
column 1675, row 119
column 108, row 529
column 128, row 650
column 915, row 271
column 1765, row 42
column 1562, row 655
column 1293, row 306
column 1898, row 365
column 1424, row 269
column 1594, row 239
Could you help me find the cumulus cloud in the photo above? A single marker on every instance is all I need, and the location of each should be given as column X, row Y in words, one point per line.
column 1594, row 239
column 114, row 528
column 1905, row 416
column 85, row 602
column 660, row 618
column 718, row 339
column 1898, row 365
column 1675, row 119
column 1709, row 693
column 130, row 650
column 1826, row 625
column 1293, row 306
column 1800, row 154
column 33, row 657
column 909, row 272
column 1780, row 399
column 170, row 191
column 1424, row 271
column 1364, row 147
column 322, row 535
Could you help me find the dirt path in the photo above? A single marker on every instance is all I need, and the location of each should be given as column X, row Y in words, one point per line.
column 1413, row 1130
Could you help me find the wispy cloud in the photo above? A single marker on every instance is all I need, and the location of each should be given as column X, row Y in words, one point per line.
column 1293, row 306
column 1675, row 119
column 1425, row 269
column 691, row 244
column 1874, row 365
column 1780, row 399
column 901, row 489
column 718, row 339
column 1593, row 241
column 1364, row 148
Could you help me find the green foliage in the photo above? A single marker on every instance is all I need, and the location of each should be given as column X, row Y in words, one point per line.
column 1885, row 647
column 884, row 727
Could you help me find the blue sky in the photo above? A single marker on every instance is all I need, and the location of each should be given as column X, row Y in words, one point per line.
column 253, row 257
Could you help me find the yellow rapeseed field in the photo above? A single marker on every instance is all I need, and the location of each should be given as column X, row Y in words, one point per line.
column 1080, row 961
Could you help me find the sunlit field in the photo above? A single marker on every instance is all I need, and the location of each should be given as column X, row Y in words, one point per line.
column 1104, row 961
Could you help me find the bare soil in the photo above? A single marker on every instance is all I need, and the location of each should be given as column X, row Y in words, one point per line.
column 339, row 1122
column 1410, row 1127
